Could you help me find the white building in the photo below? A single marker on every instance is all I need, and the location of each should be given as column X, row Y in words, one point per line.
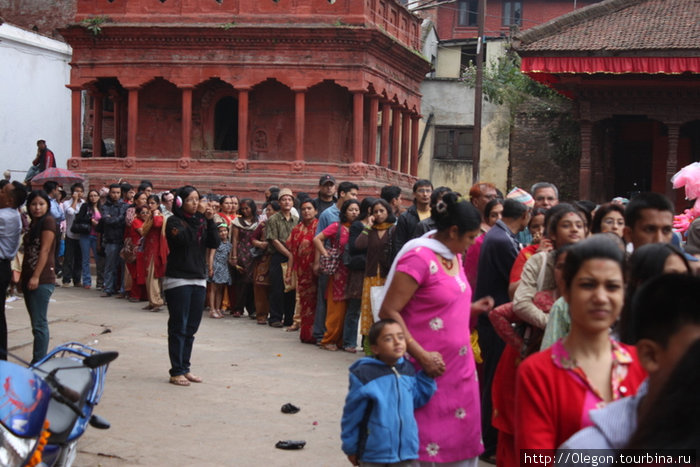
column 34, row 102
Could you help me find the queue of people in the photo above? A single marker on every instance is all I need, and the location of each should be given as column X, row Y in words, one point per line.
column 510, row 322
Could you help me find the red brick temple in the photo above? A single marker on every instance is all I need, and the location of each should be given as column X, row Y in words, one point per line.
column 236, row 95
column 633, row 70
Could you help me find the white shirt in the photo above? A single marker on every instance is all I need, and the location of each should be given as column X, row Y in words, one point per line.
column 70, row 216
column 10, row 232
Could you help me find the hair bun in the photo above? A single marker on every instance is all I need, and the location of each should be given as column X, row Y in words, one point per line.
column 441, row 207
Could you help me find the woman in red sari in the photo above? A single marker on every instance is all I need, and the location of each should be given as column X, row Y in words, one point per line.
column 301, row 246
column 136, row 292
column 227, row 213
column 151, row 263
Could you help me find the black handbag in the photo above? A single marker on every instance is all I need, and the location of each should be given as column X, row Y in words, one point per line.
column 82, row 224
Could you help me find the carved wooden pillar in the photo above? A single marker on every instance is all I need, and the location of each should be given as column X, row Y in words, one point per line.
column 415, row 119
column 118, row 127
column 384, row 144
column 243, row 95
column 186, row 122
column 395, row 139
column 672, row 160
column 299, row 123
column 357, row 125
column 405, row 139
column 76, row 114
column 132, row 122
column 372, row 139
column 584, row 189
column 97, row 106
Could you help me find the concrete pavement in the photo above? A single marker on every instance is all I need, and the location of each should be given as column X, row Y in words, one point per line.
column 231, row 419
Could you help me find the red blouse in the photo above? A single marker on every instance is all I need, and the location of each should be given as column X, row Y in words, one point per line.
column 553, row 395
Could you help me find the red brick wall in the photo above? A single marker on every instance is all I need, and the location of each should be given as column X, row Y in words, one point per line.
column 160, row 120
column 42, row 16
column 533, row 156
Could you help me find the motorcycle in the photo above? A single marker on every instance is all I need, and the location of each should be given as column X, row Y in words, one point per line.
column 45, row 408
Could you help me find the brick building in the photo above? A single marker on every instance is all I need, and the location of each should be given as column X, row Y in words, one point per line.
column 229, row 95
column 448, row 104
column 632, row 68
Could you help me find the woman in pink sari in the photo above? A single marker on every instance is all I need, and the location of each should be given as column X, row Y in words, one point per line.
column 429, row 295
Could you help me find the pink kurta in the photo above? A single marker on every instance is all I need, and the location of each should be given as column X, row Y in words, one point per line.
column 437, row 316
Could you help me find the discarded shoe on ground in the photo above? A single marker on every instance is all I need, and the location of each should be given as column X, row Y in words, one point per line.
column 290, row 408
column 289, row 444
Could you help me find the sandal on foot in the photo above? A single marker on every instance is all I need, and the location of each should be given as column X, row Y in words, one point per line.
column 292, row 328
column 179, row 380
column 193, row 378
column 331, row 347
column 215, row 314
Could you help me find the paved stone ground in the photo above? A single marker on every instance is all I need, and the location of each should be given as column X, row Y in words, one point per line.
column 232, row 419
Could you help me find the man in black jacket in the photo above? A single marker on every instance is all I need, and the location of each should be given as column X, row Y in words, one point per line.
column 408, row 219
column 111, row 226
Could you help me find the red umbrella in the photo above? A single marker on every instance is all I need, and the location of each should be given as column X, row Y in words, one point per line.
column 57, row 175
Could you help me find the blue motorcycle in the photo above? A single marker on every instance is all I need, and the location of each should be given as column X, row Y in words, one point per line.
column 45, row 409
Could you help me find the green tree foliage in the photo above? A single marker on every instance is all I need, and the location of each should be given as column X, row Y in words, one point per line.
column 504, row 84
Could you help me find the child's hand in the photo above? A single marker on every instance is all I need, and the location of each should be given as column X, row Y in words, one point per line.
column 353, row 459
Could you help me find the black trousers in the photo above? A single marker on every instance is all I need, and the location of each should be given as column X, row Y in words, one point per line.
column 491, row 349
column 5, row 279
column 281, row 303
column 72, row 262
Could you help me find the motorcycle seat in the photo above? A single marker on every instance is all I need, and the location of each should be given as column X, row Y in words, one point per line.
column 79, row 379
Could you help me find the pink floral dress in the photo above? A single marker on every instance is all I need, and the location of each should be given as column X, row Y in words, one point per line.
column 437, row 316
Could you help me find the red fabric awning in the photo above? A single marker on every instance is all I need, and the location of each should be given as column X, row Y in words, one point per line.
column 613, row 65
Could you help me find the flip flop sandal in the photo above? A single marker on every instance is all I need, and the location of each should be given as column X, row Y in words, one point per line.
column 180, row 380
column 192, row 378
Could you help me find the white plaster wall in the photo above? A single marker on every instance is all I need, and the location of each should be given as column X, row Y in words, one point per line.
column 34, row 101
column 452, row 104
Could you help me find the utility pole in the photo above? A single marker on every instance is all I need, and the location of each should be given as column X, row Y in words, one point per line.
column 476, row 135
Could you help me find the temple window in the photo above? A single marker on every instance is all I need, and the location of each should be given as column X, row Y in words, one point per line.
column 226, row 124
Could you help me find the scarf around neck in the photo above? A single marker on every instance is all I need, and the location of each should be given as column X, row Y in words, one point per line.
column 425, row 241
column 383, row 226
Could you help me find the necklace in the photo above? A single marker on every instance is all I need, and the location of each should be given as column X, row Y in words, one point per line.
column 446, row 262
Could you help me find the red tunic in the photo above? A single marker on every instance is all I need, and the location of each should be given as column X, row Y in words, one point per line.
column 155, row 248
column 553, row 396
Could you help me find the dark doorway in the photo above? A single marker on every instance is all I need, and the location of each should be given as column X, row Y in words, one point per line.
column 633, row 156
column 226, row 124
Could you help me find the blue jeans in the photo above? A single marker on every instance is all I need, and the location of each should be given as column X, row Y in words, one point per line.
column 37, row 302
column 185, row 306
column 112, row 267
column 320, row 318
column 87, row 243
column 352, row 317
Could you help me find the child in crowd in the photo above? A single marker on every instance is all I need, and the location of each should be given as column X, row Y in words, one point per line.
column 219, row 272
column 378, row 424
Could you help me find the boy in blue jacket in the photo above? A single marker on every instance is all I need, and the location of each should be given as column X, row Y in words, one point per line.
column 378, row 425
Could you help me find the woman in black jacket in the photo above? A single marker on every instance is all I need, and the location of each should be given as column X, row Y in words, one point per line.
column 189, row 231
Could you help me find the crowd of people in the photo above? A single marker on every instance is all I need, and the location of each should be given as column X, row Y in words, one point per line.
column 523, row 319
